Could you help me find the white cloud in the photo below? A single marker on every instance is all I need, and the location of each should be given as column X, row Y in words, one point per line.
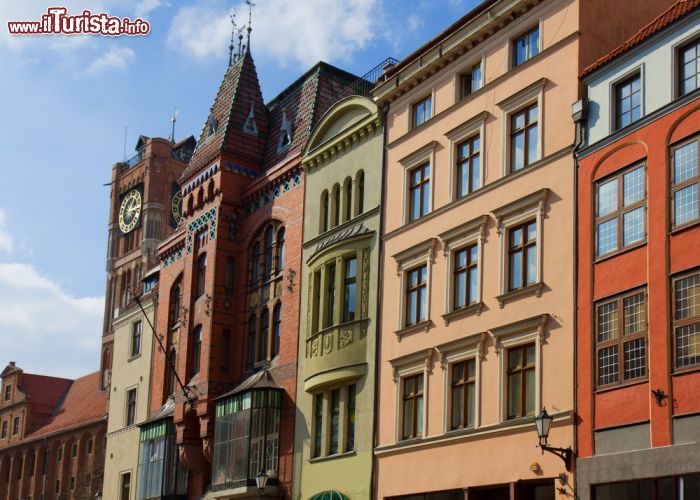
column 6, row 241
column 145, row 7
column 43, row 328
column 287, row 32
column 414, row 22
column 114, row 58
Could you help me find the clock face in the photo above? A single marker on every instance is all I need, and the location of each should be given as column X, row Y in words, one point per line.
column 176, row 206
column 130, row 211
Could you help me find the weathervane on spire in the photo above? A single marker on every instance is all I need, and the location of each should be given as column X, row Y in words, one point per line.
column 233, row 33
column 250, row 5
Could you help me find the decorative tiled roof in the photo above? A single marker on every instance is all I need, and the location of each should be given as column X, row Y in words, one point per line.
column 667, row 17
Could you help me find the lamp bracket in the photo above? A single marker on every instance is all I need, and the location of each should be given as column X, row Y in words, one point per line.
column 566, row 454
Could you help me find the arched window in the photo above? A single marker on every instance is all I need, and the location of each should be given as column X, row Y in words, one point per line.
column 250, row 345
column 336, row 205
column 324, row 211
column 347, row 187
column 264, row 255
column 200, row 196
column 175, row 303
column 269, row 236
column 280, row 250
column 360, row 183
column 196, row 355
column 255, row 264
column 276, row 329
column 264, row 334
column 210, row 189
column 201, row 274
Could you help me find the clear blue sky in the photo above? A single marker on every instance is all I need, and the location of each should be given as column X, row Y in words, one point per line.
column 64, row 103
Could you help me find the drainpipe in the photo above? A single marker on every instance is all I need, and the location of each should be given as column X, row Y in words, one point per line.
column 579, row 112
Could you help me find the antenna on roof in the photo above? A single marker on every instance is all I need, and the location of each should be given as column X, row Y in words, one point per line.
column 173, row 120
column 250, row 5
column 233, row 34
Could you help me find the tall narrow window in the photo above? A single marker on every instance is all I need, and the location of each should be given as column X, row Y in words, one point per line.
column 686, row 179
column 325, row 213
column 620, row 211
column 349, row 286
column 3, row 431
column 318, row 310
column 350, row 418
column 419, row 192
column 621, row 336
column 465, row 276
column 136, row 339
column 336, row 205
column 360, row 192
column 416, row 295
column 422, row 111
column 686, row 321
column 125, row 486
column 225, row 349
column 318, row 424
column 8, row 391
column 523, row 138
column 330, row 295
column 196, row 350
column 264, row 334
column 267, row 260
column 230, row 268
column 628, row 101
column 276, row 329
column 526, row 46
column 689, row 67
column 463, row 394
column 201, row 274
column 280, row 250
column 74, row 450
column 521, row 381
column 15, row 426
column 172, row 366
column 130, row 407
column 522, row 255
column 334, row 422
column 348, row 198
column 175, row 301
column 468, row 166
column 412, row 406
column 250, row 344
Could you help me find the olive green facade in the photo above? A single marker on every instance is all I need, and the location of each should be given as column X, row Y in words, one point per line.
column 337, row 333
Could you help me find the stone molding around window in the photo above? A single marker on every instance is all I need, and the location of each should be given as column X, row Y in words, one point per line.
column 455, row 239
column 422, row 253
column 512, row 335
column 411, row 364
column 425, row 154
column 529, row 207
column 471, row 347
column 472, row 127
column 533, row 93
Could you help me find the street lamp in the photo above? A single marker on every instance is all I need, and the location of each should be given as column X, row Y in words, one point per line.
column 261, row 481
column 543, row 422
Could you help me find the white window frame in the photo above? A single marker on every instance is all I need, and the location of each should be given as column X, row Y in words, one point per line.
column 612, row 95
column 462, row 70
column 510, row 215
column 513, row 335
column 454, row 240
column 471, row 347
column 472, row 127
column 426, row 154
column 676, row 61
column 511, row 41
column 411, row 364
column 407, row 260
column 413, row 104
column 533, row 93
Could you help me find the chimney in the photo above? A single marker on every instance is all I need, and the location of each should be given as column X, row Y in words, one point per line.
column 12, row 363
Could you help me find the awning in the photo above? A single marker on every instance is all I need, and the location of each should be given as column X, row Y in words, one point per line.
column 329, row 495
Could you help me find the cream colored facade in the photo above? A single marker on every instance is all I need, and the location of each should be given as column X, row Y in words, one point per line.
column 337, row 349
column 492, row 453
column 129, row 372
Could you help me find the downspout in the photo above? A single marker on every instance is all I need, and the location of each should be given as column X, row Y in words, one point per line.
column 380, row 293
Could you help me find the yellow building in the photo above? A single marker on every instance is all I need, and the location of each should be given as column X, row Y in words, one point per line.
column 337, row 345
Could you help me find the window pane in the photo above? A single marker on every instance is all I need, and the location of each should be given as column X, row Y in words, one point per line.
column 685, row 204
column 457, row 406
column 518, row 151
column 513, row 395
column 408, row 418
column 476, row 182
column 473, row 282
column 607, row 365
column 471, row 404
column 687, row 300
column 412, row 308
column 635, row 313
column 463, row 187
column 607, row 236
column 690, row 487
column 633, row 186
column 426, row 197
column 350, row 432
column 607, row 198
column 423, row 305
column 419, row 416
column 460, row 290
column 607, row 321
column 514, row 359
column 530, row 355
column 635, row 358
column 530, row 392
column 531, row 257
column 334, row 421
column 531, row 231
column 633, row 226
column 534, row 38
column 520, row 54
column 532, row 144
column 476, row 78
column 516, row 271
column 685, row 162
column 688, row 345
column 638, row 490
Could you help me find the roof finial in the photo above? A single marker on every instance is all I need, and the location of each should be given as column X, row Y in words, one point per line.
column 233, row 33
column 250, row 5
column 173, row 120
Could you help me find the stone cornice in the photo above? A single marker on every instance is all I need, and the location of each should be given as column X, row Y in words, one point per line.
column 345, row 141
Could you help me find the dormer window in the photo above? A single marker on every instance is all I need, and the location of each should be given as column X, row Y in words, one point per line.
column 250, row 126
column 285, row 133
column 212, row 125
column 8, row 392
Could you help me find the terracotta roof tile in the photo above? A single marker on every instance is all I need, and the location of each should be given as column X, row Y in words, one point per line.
column 669, row 16
column 42, row 391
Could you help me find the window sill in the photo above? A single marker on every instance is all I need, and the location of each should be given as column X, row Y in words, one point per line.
column 683, row 227
column 422, row 326
column 685, row 370
column 626, row 249
column 534, row 289
column 335, row 456
column 135, row 356
column 622, row 385
column 462, row 312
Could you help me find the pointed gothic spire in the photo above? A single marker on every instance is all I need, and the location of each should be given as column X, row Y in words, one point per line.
column 250, row 5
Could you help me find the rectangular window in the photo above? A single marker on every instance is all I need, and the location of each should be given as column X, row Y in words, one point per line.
column 468, row 166
column 419, row 192
column 621, row 334
column 526, row 46
column 416, row 295
column 523, row 138
column 72, row 483
column 130, row 407
column 201, row 274
column 3, row 432
column 136, row 338
column 334, row 422
column 686, row 207
column 628, row 101
column 470, row 81
column 349, row 289
column 330, row 295
column 412, row 406
column 8, row 392
column 350, row 419
column 521, row 381
column 689, row 67
column 318, row 424
column 15, row 426
column 522, row 255
column 621, row 211
column 686, row 320
column 422, row 111
column 125, row 489
column 58, row 485
column 465, row 276
column 463, row 394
